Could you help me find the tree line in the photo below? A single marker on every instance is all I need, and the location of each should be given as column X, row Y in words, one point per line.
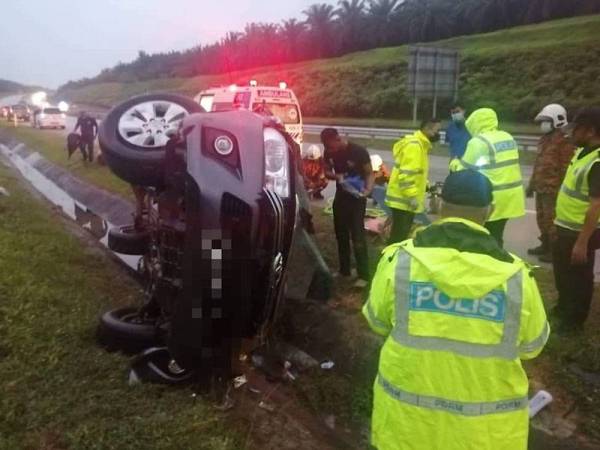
column 329, row 30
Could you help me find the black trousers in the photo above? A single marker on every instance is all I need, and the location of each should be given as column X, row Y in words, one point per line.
column 574, row 283
column 401, row 224
column 87, row 148
column 349, row 223
column 496, row 229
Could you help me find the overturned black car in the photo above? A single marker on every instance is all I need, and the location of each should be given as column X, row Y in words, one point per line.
column 216, row 216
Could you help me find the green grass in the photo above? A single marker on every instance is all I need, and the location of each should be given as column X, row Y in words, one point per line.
column 52, row 146
column 516, row 71
column 59, row 390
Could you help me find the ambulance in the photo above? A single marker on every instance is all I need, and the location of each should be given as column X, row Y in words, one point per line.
column 280, row 102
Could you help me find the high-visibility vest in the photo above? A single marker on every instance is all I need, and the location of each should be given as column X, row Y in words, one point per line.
column 450, row 374
column 496, row 155
column 574, row 196
column 408, row 181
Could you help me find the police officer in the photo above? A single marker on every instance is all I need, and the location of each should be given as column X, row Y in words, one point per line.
column 89, row 131
column 577, row 222
column 496, row 155
column 459, row 314
column 554, row 155
column 408, row 183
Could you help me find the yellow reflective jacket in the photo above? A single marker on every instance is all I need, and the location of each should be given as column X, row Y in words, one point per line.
column 496, row 155
column 574, row 196
column 408, row 181
column 458, row 325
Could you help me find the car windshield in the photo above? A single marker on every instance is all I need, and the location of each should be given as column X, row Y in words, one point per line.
column 287, row 113
column 52, row 110
column 18, row 108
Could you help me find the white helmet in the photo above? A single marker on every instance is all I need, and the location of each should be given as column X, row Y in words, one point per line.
column 376, row 162
column 557, row 114
column 313, row 152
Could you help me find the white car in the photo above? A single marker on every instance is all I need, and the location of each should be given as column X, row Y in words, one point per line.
column 49, row 117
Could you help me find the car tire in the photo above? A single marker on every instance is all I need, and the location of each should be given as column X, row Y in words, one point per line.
column 131, row 154
column 122, row 330
column 128, row 241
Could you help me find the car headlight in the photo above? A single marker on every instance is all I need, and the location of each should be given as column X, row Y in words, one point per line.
column 277, row 177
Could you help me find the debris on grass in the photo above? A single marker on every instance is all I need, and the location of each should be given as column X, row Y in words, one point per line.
column 327, row 365
column 539, row 402
column 266, row 406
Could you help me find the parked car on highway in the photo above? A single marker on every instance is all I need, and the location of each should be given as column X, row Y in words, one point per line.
column 217, row 213
column 22, row 112
column 49, row 117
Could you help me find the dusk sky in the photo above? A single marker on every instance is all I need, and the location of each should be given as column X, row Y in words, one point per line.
column 48, row 42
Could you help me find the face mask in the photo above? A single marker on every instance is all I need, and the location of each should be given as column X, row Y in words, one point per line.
column 458, row 117
column 546, row 127
column 435, row 138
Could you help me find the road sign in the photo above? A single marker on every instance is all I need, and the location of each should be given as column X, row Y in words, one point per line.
column 432, row 74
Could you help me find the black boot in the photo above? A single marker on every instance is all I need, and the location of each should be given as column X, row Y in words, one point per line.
column 543, row 248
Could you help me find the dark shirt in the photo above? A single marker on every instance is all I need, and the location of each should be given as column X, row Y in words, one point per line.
column 88, row 126
column 457, row 136
column 349, row 162
column 594, row 174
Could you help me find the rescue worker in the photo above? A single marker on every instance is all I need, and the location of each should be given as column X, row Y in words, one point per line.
column 350, row 166
column 408, row 183
column 496, row 155
column 459, row 314
column 89, row 131
column 554, row 155
column 314, row 172
column 577, row 233
column 457, row 135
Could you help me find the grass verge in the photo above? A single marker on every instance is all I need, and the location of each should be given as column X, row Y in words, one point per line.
column 52, row 146
column 58, row 389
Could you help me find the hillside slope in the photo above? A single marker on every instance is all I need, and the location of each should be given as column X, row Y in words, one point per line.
column 515, row 71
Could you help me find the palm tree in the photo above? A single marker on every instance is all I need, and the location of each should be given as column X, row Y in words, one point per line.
column 292, row 31
column 380, row 15
column 320, row 20
column 351, row 20
column 427, row 20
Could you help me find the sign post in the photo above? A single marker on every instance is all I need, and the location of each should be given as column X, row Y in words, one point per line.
column 433, row 73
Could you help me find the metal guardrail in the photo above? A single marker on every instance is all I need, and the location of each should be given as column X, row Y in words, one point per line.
column 525, row 142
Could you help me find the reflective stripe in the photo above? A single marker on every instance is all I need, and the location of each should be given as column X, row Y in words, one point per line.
column 575, row 194
column 490, row 146
column 374, row 320
column 502, row 187
column 406, row 184
column 508, row 163
column 408, row 172
column 583, row 174
column 506, row 349
column 452, row 406
column 570, row 225
column 537, row 343
column 404, row 201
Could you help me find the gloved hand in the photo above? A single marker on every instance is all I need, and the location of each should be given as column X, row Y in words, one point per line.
column 455, row 165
